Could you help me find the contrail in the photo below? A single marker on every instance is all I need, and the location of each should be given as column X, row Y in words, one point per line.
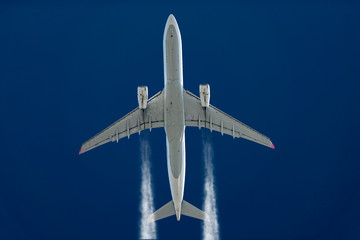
column 147, row 230
column 210, row 228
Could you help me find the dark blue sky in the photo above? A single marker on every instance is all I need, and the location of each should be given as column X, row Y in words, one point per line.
column 289, row 70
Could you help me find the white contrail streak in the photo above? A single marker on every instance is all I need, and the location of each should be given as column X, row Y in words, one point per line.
column 210, row 228
column 147, row 230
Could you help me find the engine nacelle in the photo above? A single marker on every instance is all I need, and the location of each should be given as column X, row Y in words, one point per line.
column 142, row 94
column 204, row 94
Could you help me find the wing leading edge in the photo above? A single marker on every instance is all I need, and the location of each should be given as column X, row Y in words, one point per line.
column 215, row 119
column 134, row 122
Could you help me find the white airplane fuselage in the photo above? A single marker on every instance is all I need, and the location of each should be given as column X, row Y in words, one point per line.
column 165, row 109
column 174, row 108
column 174, row 112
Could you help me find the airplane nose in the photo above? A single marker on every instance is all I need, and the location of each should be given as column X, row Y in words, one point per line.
column 171, row 16
column 171, row 20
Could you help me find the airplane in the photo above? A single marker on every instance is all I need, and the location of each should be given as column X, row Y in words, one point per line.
column 174, row 109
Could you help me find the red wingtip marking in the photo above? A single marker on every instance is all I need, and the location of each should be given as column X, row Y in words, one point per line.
column 272, row 146
column 80, row 152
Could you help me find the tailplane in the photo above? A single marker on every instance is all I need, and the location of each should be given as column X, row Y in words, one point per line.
column 165, row 211
column 186, row 209
column 192, row 211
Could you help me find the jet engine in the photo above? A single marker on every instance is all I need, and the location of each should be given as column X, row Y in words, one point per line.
column 142, row 94
column 204, row 94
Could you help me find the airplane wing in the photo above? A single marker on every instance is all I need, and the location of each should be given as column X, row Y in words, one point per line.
column 215, row 119
column 135, row 121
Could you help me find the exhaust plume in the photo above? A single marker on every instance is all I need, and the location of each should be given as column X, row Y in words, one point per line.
column 210, row 228
column 147, row 229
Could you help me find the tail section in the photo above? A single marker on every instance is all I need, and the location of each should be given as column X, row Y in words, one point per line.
column 165, row 211
column 192, row 211
column 186, row 209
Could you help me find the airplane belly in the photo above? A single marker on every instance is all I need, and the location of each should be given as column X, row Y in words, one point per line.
column 173, row 100
column 174, row 112
column 173, row 68
column 176, row 170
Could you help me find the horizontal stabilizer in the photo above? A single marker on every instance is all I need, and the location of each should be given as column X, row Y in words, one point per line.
column 165, row 211
column 192, row 211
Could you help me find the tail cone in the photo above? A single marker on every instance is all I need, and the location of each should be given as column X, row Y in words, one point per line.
column 178, row 215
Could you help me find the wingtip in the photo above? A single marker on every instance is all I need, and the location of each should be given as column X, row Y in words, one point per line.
column 207, row 218
column 151, row 218
column 272, row 146
column 80, row 152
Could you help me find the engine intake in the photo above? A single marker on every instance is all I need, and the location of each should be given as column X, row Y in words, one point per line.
column 204, row 94
column 142, row 94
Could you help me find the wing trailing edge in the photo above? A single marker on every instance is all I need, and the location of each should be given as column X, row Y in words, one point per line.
column 134, row 122
column 216, row 120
